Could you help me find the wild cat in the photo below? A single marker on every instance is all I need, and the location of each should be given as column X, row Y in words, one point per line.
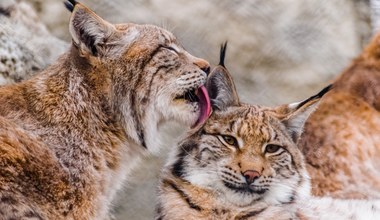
column 69, row 135
column 341, row 142
column 243, row 163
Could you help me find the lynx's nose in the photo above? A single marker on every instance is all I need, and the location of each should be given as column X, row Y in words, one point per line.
column 250, row 176
column 203, row 65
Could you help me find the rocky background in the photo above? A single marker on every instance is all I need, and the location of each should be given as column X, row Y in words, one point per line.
column 279, row 51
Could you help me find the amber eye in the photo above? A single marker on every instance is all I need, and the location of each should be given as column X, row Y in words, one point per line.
column 230, row 140
column 272, row 148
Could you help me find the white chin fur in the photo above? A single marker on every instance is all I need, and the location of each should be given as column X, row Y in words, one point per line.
column 278, row 194
column 210, row 180
column 275, row 195
column 282, row 192
column 239, row 199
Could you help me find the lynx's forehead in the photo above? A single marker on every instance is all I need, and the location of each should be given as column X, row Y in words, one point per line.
column 150, row 33
column 249, row 123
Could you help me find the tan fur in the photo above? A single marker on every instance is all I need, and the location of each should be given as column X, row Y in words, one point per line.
column 206, row 178
column 180, row 198
column 194, row 185
column 174, row 207
column 341, row 141
column 70, row 135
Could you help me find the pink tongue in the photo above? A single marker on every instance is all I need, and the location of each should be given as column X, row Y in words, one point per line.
column 204, row 104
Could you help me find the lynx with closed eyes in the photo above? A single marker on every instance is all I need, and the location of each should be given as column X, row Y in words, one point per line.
column 70, row 135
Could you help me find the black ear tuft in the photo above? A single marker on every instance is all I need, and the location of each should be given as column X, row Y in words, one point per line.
column 223, row 50
column 220, row 85
column 296, row 114
column 70, row 4
column 317, row 96
column 325, row 90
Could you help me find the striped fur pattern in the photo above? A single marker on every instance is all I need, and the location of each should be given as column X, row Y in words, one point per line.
column 70, row 135
column 244, row 164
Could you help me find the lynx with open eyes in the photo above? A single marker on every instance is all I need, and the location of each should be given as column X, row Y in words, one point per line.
column 243, row 163
column 246, row 154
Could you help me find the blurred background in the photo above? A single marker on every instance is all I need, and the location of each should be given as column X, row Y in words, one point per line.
column 278, row 51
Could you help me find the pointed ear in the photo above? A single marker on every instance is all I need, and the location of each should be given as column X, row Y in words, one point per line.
column 220, row 86
column 295, row 115
column 88, row 31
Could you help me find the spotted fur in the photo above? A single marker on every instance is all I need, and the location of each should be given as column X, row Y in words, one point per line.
column 341, row 142
column 70, row 135
column 244, row 164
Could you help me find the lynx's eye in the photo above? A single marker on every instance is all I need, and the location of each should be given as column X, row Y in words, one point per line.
column 272, row 148
column 172, row 49
column 230, row 140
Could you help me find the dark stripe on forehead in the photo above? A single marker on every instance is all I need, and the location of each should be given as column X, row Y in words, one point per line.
column 232, row 123
column 275, row 136
column 250, row 214
column 151, row 55
column 261, row 131
column 244, row 120
column 182, row 194
column 169, row 38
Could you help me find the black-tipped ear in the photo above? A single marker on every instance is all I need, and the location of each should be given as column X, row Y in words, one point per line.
column 88, row 31
column 220, row 85
column 296, row 114
column 70, row 4
column 222, row 56
column 317, row 96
